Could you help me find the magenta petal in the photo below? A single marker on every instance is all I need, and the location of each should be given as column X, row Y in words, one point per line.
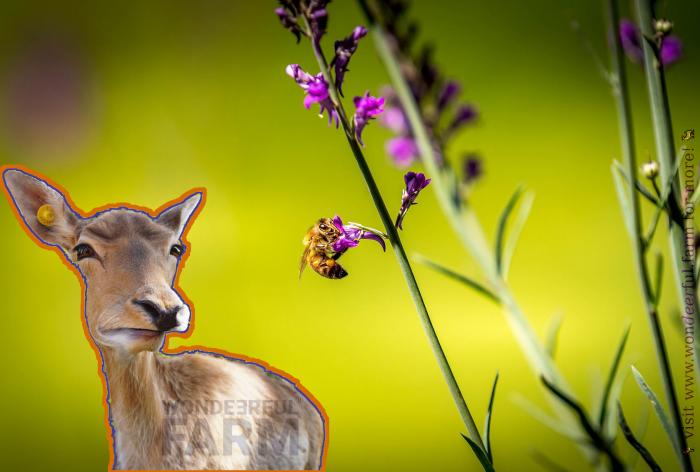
column 375, row 237
column 308, row 101
column 403, row 150
column 338, row 223
column 671, row 50
column 344, row 244
column 395, row 120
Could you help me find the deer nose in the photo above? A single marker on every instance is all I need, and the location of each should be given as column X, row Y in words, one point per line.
column 165, row 319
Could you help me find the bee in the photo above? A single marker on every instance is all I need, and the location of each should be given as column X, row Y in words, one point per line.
column 318, row 250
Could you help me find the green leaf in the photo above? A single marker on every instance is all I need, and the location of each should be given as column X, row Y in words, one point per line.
column 637, row 184
column 660, row 412
column 480, row 454
column 605, row 400
column 487, row 424
column 640, row 432
column 537, row 413
column 546, row 463
column 596, row 440
column 696, row 196
column 622, row 197
column 501, row 231
column 634, row 442
column 518, row 225
column 553, row 334
column 471, row 283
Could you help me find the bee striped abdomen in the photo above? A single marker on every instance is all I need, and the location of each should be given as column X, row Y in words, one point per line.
column 327, row 267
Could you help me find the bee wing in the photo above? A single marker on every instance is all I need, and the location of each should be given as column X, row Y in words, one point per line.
column 304, row 257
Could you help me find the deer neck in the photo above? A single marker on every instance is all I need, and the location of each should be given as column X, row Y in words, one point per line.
column 137, row 391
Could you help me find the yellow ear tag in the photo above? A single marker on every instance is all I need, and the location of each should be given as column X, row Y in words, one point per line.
column 46, row 215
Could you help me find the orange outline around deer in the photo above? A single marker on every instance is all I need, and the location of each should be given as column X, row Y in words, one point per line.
column 185, row 227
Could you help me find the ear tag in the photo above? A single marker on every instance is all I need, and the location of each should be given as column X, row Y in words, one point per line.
column 46, row 215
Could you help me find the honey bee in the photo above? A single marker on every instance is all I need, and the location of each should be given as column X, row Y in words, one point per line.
column 318, row 251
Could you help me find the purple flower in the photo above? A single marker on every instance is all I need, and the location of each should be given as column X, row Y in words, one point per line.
column 395, row 120
column 344, row 49
column 629, row 37
column 316, row 89
column 367, row 108
column 403, row 150
column 472, row 168
column 414, row 184
column 448, row 93
column 351, row 234
column 289, row 21
column 465, row 115
column 670, row 51
column 318, row 18
column 313, row 10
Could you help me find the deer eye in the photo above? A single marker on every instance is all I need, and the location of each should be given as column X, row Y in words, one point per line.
column 177, row 250
column 84, row 251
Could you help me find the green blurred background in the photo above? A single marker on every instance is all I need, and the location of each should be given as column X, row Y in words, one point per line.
column 141, row 101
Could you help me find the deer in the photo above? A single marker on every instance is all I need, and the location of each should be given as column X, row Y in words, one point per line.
column 181, row 409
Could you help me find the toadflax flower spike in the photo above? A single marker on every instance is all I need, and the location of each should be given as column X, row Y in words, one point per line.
column 414, row 184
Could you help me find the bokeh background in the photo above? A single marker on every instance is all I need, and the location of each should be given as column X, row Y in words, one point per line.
column 141, row 101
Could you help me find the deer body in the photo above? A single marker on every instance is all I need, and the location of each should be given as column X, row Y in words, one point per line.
column 168, row 411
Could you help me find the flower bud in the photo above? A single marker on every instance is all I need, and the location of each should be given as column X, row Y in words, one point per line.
column 650, row 169
column 663, row 26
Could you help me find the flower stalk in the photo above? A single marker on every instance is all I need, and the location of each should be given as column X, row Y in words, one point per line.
column 665, row 148
column 467, row 226
column 665, row 151
column 399, row 251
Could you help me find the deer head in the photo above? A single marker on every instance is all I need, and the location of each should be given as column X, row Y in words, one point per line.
column 127, row 258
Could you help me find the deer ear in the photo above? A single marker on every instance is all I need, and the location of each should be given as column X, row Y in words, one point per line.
column 43, row 209
column 177, row 216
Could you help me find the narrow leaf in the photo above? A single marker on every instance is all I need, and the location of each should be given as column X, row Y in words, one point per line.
column 480, row 454
column 553, row 334
column 622, row 198
column 487, row 424
column 502, row 223
column 660, row 412
column 629, row 435
column 637, row 184
column 518, row 225
column 539, row 414
column 640, row 432
column 471, row 283
column 547, row 463
column 604, row 403
column 596, row 439
column 696, row 196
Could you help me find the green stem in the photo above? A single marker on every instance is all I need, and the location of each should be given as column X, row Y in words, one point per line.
column 666, row 152
column 467, row 227
column 400, row 253
column 621, row 93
